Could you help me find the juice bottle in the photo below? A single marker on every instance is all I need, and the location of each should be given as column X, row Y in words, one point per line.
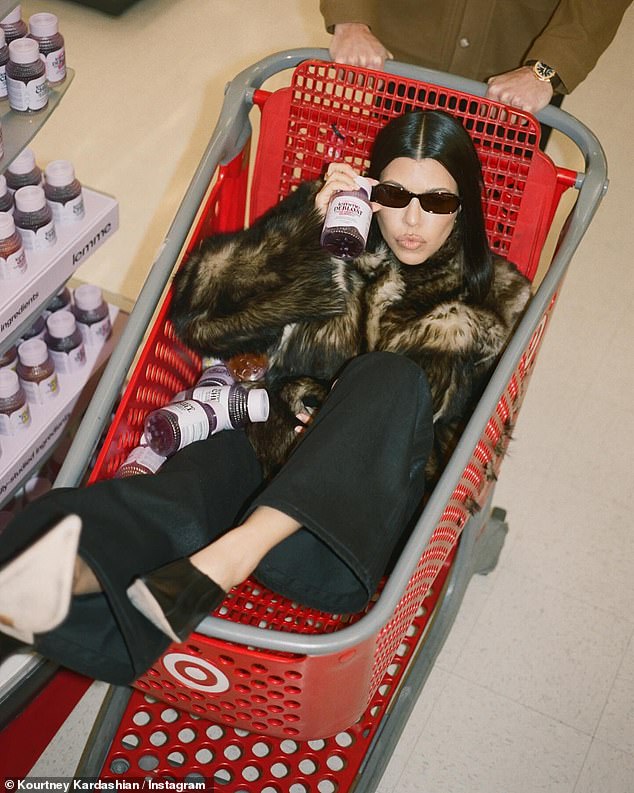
column 347, row 222
column 6, row 196
column 59, row 301
column 27, row 87
column 23, row 171
column 63, row 192
column 13, row 25
column 9, row 358
column 34, row 219
column 141, row 460
column 4, row 59
column 44, row 29
column 12, row 256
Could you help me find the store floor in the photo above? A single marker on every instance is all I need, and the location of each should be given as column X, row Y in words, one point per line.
column 534, row 690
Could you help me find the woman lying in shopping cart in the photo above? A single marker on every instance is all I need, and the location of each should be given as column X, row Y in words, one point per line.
column 373, row 365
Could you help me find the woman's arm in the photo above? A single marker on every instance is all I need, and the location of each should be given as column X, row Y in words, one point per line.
column 238, row 291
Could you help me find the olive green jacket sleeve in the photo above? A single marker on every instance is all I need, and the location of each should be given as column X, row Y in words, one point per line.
column 577, row 34
column 480, row 38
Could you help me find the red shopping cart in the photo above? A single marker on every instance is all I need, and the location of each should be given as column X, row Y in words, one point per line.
column 267, row 695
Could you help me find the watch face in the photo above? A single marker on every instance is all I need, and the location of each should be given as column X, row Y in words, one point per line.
column 544, row 71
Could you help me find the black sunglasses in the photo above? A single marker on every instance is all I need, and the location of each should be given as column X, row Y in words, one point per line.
column 390, row 195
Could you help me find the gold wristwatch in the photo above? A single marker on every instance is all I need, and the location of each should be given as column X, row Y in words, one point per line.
column 544, row 72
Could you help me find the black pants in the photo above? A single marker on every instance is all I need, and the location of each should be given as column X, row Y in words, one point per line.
column 354, row 482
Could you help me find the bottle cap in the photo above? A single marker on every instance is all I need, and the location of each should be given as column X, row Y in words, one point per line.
column 61, row 324
column 43, row 24
column 7, row 226
column 9, row 383
column 88, row 297
column 258, row 404
column 30, row 198
column 364, row 184
column 24, row 51
column 59, row 173
column 33, row 352
column 24, row 162
column 12, row 16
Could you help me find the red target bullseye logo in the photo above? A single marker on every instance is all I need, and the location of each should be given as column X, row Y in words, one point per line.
column 196, row 673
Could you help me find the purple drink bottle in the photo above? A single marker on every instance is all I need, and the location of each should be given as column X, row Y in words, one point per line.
column 347, row 222
column 210, row 410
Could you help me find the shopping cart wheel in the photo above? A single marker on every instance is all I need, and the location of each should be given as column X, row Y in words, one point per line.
column 490, row 542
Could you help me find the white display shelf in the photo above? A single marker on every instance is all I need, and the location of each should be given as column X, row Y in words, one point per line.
column 19, row 128
column 22, row 299
column 26, row 451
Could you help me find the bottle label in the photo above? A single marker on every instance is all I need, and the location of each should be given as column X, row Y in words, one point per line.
column 18, row 420
column 14, row 265
column 40, row 239
column 27, row 96
column 192, row 421
column 96, row 333
column 55, row 64
column 68, row 362
column 70, row 211
column 41, row 392
column 144, row 459
column 3, row 81
column 349, row 210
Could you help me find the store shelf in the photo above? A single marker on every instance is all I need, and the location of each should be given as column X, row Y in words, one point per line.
column 47, row 271
column 18, row 128
column 24, row 453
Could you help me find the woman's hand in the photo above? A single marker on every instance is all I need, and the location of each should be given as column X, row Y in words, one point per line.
column 339, row 176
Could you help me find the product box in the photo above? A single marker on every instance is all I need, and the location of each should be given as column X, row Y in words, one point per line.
column 22, row 299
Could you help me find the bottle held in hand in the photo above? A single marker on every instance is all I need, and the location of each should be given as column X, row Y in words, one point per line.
column 347, row 223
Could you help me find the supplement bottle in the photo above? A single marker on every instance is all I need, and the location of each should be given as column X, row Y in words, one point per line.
column 216, row 372
column 13, row 26
column 65, row 343
column 23, row 171
column 59, row 301
column 63, row 192
column 178, row 424
column 141, row 460
column 34, row 219
column 26, row 77
column 9, row 358
column 92, row 315
column 44, row 29
column 15, row 415
column 249, row 367
column 36, row 372
column 4, row 59
column 36, row 330
column 6, row 197
column 12, row 256
column 347, row 223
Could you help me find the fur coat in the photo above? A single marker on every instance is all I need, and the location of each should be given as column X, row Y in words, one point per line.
column 273, row 289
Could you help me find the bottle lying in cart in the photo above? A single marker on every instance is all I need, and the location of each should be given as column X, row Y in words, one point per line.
column 141, row 460
column 44, row 28
column 34, row 219
column 37, row 372
column 63, row 192
column 65, row 342
column 15, row 415
column 347, row 222
column 12, row 257
column 92, row 314
column 209, row 410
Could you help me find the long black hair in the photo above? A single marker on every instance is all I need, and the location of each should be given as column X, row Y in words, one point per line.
column 434, row 134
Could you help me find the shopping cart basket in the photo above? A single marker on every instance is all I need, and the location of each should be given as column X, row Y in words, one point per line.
column 268, row 695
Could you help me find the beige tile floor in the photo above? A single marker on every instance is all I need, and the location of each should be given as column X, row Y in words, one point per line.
column 534, row 690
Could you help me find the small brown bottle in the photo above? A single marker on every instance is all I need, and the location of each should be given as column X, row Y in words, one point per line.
column 15, row 415
column 26, row 77
column 36, row 372
column 34, row 219
column 12, row 256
